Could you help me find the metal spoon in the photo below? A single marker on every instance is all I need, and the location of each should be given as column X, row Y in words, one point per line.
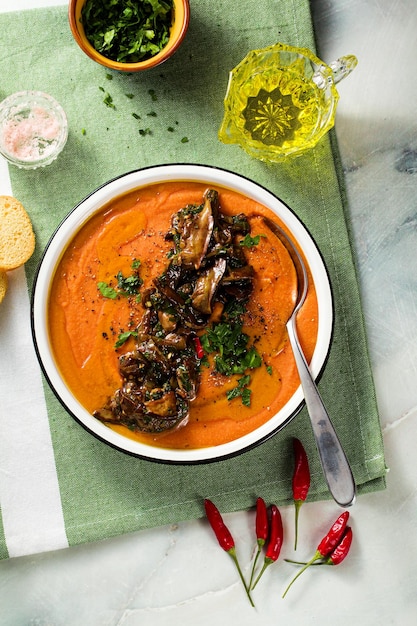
column 333, row 460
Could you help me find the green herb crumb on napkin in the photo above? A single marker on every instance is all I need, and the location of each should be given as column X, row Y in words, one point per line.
column 118, row 123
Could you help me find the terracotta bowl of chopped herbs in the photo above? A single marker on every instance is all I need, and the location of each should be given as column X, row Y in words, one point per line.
column 128, row 35
column 159, row 314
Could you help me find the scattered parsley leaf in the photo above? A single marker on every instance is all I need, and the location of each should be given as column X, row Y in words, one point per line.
column 106, row 290
column 108, row 100
column 123, row 337
column 241, row 390
column 252, row 359
column 126, row 285
column 250, row 242
column 184, row 140
column 129, row 285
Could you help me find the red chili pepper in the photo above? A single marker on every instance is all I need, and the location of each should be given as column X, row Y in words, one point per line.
column 223, row 534
column 333, row 537
column 339, row 553
column 326, row 545
column 277, row 535
column 224, row 537
column 341, row 550
column 300, row 481
column 261, row 526
column 261, row 522
column 198, row 348
column 275, row 541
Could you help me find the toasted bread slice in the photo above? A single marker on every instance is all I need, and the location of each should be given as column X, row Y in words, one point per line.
column 3, row 285
column 17, row 240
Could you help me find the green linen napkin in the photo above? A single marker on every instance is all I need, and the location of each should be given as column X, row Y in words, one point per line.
column 180, row 105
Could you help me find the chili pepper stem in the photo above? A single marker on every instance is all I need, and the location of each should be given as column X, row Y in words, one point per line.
column 258, row 552
column 305, row 563
column 262, row 532
column 232, row 554
column 310, row 562
column 297, row 504
column 265, row 565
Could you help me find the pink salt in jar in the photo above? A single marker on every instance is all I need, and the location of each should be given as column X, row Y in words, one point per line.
column 33, row 129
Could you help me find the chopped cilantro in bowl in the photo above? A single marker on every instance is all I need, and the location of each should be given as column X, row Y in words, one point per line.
column 129, row 35
column 128, row 31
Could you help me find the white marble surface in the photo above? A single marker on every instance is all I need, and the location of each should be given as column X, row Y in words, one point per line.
column 178, row 575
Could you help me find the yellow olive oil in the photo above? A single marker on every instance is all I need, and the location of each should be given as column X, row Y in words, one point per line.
column 286, row 114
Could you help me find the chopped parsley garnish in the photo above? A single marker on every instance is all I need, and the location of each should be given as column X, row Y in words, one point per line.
column 250, row 242
column 127, row 31
column 123, row 337
column 107, row 291
column 241, row 390
column 108, row 100
column 127, row 286
column 234, row 309
column 232, row 354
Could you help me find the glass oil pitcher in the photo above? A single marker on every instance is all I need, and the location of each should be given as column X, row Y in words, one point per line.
column 281, row 100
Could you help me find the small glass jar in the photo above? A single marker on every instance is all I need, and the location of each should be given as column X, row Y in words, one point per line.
column 281, row 101
column 33, row 129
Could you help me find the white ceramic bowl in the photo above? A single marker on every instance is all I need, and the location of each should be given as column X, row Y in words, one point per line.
column 93, row 203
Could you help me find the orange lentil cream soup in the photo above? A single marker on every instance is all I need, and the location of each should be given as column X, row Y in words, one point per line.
column 167, row 316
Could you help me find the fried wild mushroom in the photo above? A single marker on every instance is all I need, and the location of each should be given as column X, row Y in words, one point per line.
column 195, row 227
column 207, row 268
column 207, row 285
column 153, row 397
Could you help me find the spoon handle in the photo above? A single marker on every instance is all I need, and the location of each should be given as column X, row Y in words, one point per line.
column 335, row 465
